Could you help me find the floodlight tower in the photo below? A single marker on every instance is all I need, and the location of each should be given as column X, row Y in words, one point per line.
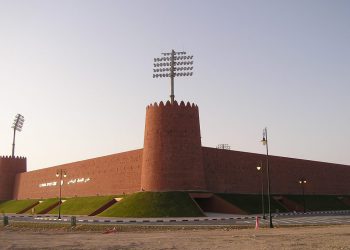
column 172, row 65
column 17, row 126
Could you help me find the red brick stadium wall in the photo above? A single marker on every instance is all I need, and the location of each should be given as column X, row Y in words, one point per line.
column 172, row 154
column 9, row 168
column 113, row 174
column 172, row 159
column 235, row 172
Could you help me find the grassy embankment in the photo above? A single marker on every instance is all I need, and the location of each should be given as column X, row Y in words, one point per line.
column 43, row 205
column 154, row 204
column 15, row 206
column 82, row 205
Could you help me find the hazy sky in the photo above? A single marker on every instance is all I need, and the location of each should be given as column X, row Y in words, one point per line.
column 81, row 74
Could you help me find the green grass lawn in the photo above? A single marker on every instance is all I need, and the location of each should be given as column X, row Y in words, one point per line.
column 15, row 206
column 319, row 202
column 251, row 203
column 154, row 204
column 43, row 205
column 82, row 205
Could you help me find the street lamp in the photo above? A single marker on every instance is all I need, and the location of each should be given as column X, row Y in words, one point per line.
column 61, row 173
column 302, row 182
column 260, row 169
column 172, row 65
column 17, row 126
column 265, row 143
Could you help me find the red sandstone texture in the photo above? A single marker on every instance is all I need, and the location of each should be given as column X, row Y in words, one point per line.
column 172, row 155
column 172, row 159
column 9, row 168
column 230, row 171
column 108, row 175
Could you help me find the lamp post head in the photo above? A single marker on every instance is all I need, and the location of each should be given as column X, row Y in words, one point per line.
column 65, row 175
column 57, row 174
column 258, row 168
column 264, row 141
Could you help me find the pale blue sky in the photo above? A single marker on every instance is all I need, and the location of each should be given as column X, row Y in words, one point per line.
column 81, row 74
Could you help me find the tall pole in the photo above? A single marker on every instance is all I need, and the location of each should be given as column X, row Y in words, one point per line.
column 265, row 141
column 172, row 75
column 302, row 182
column 59, row 203
column 260, row 168
column 13, row 142
column 302, row 187
column 60, row 173
column 262, row 194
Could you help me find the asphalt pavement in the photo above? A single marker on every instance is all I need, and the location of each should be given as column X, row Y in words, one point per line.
column 309, row 218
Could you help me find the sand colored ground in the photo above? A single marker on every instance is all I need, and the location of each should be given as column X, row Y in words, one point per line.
column 325, row 237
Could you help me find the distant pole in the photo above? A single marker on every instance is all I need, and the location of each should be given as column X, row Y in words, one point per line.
column 172, row 65
column 172, row 75
column 60, row 173
column 265, row 142
column 302, row 182
column 260, row 169
column 17, row 126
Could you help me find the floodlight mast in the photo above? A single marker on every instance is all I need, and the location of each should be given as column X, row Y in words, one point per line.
column 172, row 75
column 173, row 63
column 17, row 126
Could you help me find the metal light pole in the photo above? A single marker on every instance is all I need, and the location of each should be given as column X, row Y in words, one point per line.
column 265, row 142
column 17, row 126
column 61, row 173
column 302, row 182
column 260, row 169
column 172, row 65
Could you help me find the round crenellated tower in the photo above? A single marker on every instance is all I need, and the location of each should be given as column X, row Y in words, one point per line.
column 172, row 154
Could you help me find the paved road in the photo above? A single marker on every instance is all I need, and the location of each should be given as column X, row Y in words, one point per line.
column 311, row 218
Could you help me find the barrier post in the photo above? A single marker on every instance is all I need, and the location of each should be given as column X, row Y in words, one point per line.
column 73, row 221
column 6, row 220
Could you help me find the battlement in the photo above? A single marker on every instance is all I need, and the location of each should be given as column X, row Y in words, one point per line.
column 13, row 157
column 168, row 105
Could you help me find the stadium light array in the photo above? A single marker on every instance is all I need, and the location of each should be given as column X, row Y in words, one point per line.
column 173, row 64
column 17, row 126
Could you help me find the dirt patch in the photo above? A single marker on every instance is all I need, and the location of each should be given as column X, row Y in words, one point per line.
column 325, row 237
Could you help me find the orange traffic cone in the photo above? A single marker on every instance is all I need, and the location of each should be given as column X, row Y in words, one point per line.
column 257, row 223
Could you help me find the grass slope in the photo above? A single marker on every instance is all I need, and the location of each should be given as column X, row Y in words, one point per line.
column 251, row 203
column 43, row 205
column 154, row 204
column 320, row 202
column 15, row 206
column 82, row 205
